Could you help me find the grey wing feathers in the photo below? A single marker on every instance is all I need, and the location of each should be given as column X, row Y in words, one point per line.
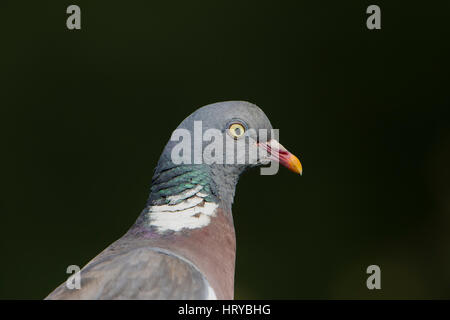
column 140, row 273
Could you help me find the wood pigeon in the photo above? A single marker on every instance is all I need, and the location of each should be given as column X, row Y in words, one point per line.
column 182, row 246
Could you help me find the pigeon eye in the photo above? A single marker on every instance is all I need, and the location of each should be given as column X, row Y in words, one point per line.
column 237, row 130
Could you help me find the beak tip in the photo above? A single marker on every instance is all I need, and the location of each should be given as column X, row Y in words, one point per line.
column 296, row 165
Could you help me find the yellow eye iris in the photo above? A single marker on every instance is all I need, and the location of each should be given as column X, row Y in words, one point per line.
column 237, row 130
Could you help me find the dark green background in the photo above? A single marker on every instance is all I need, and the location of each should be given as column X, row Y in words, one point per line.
column 85, row 114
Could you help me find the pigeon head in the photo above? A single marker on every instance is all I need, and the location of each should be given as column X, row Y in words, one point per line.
column 211, row 148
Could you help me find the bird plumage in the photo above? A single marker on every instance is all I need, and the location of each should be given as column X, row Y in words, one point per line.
column 183, row 244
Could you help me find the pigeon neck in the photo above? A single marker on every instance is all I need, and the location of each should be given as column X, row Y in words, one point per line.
column 177, row 184
column 187, row 197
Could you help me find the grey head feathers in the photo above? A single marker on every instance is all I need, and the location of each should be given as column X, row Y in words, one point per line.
column 218, row 180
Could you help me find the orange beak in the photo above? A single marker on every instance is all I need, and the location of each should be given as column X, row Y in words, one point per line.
column 292, row 163
column 279, row 153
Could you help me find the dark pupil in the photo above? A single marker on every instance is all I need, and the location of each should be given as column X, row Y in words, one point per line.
column 237, row 131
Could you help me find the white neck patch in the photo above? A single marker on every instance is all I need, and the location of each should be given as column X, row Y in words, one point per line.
column 192, row 213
